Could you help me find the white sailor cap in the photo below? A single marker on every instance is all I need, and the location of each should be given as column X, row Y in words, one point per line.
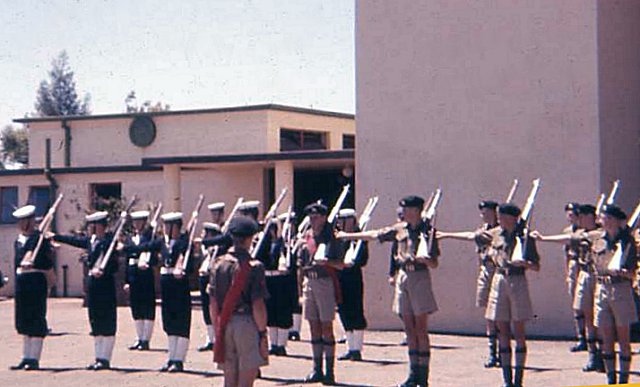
column 138, row 215
column 347, row 213
column 97, row 216
column 248, row 205
column 210, row 226
column 171, row 217
column 282, row 217
column 24, row 212
column 217, row 206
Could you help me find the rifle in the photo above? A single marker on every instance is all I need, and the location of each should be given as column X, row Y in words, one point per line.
column 322, row 247
column 193, row 223
column 429, row 217
column 284, row 261
column 365, row 217
column 267, row 222
column 517, row 255
column 512, row 191
column 208, row 264
column 43, row 227
column 599, row 205
column 101, row 263
column 145, row 257
column 609, row 199
column 616, row 261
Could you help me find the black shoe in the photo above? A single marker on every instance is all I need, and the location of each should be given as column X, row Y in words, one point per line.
column 341, row 340
column 273, row 350
column 411, row 380
column 404, row 342
column 166, row 367
column 32, row 365
column 206, row 347
column 177, row 366
column 294, row 336
column 135, row 346
column 492, row 362
column 329, row 380
column 579, row 347
column 144, row 346
column 92, row 366
column 102, row 364
column 356, row 356
column 346, row 356
column 281, row 351
column 314, row 377
column 20, row 365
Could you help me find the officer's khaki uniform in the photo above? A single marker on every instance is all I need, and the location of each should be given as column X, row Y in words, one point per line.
column 242, row 339
column 486, row 267
column 581, row 242
column 509, row 298
column 571, row 260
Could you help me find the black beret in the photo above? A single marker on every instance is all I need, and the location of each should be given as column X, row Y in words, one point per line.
column 490, row 204
column 243, row 226
column 615, row 211
column 509, row 209
column 573, row 207
column 586, row 209
column 412, row 201
column 316, row 208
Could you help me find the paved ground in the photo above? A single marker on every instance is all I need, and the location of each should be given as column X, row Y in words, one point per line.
column 456, row 360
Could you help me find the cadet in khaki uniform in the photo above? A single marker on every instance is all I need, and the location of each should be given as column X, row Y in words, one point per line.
column 318, row 259
column 482, row 237
column 581, row 241
column 416, row 300
column 237, row 292
column 614, row 307
column 509, row 302
column 572, row 272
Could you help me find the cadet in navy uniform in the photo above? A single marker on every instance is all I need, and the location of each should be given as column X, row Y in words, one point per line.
column 101, row 293
column 351, row 310
column 140, row 281
column 210, row 230
column 31, row 288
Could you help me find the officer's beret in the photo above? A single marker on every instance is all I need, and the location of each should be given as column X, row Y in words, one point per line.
column 614, row 211
column 249, row 205
column 171, row 217
column 316, row 208
column 347, row 213
column 216, row 206
column 243, row 226
column 509, row 209
column 97, row 217
column 24, row 212
column 137, row 215
column 572, row 206
column 587, row 209
column 210, row 226
column 412, row 201
column 490, row 204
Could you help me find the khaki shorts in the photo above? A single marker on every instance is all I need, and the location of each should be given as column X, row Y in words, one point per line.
column 509, row 299
column 572, row 277
column 242, row 345
column 614, row 305
column 415, row 295
column 483, row 287
column 319, row 300
column 585, row 292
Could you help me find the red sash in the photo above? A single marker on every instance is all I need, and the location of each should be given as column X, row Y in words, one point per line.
column 229, row 304
column 312, row 248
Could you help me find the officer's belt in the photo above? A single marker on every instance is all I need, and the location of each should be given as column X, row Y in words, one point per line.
column 169, row 270
column 242, row 310
column 610, row 279
column 410, row 267
column 315, row 272
column 133, row 261
column 276, row 273
column 510, row 271
column 22, row 270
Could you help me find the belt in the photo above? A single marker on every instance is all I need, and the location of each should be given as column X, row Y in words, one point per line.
column 507, row 272
column 133, row 261
column 410, row 267
column 275, row 273
column 315, row 273
column 608, row 279
column 586, row 267
column 169, row 270
column 243, row 310
column 22, row 270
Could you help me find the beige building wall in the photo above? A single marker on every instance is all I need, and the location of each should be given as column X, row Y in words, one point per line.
column 468, row 96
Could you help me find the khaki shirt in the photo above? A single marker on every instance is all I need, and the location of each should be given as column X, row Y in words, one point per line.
column 581, row 242
column 483, row 237
column 406, row 240
column 570, row 252
column 502, row 246
column 604, row 248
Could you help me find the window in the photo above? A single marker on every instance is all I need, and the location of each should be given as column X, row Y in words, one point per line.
column 39, row 197
column 348, row 141
column 9, row 199
column 295, row 140
column 103, row 195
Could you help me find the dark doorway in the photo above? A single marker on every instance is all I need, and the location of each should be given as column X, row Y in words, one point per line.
column 321, row 184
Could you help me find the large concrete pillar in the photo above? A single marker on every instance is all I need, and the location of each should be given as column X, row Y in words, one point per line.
column 284, row 178
column 171, row 178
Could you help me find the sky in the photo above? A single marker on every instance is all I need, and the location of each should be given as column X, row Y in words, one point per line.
column 188, row 54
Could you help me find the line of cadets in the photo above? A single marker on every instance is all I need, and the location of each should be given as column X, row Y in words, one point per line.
column 246, row 295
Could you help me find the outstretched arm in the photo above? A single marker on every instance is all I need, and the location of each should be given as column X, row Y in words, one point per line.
column 461, row 235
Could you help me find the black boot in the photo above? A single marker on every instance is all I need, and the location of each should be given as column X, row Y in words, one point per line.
column 329, row 377
column 518, row 377
column 102, row 364
column 166, row 366
column 135, row 346
column 591, row 364
column 207, row 347
column 177, row 366
column 580, row 346
column 346, row 356
column 356, row 356
column 493, row 360
column 32, row 365
column 316, row 375
column 144, row 346
column 294, row 336
column 422, row 376
column 411, row 379
column 20, row 365
column 611, row 378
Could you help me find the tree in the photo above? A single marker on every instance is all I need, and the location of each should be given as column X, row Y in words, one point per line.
column 58, row 96
column 147, row 106
column 15, row 146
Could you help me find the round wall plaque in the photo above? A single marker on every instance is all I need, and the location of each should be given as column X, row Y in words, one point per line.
column 142, row 131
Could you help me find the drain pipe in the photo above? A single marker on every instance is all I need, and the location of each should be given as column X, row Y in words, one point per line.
column 53, row 193
column 67, row 143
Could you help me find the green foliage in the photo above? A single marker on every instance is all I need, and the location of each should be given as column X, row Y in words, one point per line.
column 15, row 145
column 147, row 106
column 58, row 96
